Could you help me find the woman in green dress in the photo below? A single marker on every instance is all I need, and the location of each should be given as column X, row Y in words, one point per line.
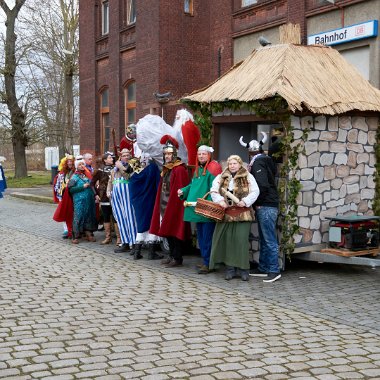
column 236, row 190
column 84, row 203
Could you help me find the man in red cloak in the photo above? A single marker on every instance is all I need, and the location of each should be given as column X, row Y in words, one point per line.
column 128, row 141
column 167, row 219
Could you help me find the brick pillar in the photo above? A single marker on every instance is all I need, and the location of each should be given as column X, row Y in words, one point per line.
column 296, row 15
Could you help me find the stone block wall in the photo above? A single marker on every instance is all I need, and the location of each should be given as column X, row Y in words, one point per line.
column 336, row 171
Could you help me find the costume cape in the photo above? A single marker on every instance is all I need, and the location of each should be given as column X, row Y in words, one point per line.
column 172, row 224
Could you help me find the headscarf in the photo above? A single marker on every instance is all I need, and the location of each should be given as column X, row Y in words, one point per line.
column 209, row 150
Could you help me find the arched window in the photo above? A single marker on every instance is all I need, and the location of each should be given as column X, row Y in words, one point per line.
column 105, row 128
column 130, row 103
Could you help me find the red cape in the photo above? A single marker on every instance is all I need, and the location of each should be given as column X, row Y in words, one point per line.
column 172, row 222
column 214, row 168
column 65, row 209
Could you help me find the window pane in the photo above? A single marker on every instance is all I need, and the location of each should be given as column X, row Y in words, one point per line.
column 105, row 98
column 131, row 11
column 131, row 115
column 106, row 119
column 105, row 17
column 187, row 6
column 245, row 3
column 131, row 92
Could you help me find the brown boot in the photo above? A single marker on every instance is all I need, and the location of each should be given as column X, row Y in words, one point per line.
column 118, row 240
column 89, row 236
column 107, row 229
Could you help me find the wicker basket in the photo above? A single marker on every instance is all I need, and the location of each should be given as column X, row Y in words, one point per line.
column 209, row 209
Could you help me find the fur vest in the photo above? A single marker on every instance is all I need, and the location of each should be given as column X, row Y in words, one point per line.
column 241, row 184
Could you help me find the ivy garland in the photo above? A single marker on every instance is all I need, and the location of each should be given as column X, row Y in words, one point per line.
column 289, row 185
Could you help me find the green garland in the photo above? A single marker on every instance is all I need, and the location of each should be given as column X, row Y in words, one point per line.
column 289, row 186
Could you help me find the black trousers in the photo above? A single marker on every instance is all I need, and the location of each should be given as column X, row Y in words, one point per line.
column 177, row 248
column 107, row 213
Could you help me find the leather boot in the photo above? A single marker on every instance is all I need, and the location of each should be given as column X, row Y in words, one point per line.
column 107, row 229
column 118, row 240
column 152, row 255
column 244, row 274
column 137, row 254
column 123, row 248
column 90, row 236
column 230, row 273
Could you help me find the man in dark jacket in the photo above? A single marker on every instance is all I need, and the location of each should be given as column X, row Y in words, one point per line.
column 263, row 168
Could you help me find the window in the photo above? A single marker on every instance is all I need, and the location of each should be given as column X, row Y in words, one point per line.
column 105, row 128
column 188, row 6
column 245, row 3
column 105, row 17
column 228, row 132
column 130, row 103
column 131, row 12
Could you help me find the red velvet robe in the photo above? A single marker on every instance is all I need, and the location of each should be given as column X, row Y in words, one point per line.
column 172, row 224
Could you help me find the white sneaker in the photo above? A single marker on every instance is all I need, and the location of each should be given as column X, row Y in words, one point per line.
column 272, row 277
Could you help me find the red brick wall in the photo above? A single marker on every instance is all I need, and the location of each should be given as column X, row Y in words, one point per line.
column 88, row 87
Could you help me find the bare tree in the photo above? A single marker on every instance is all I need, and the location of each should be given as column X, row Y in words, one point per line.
column 53, row 37
column 9, row 96
column 47, row 68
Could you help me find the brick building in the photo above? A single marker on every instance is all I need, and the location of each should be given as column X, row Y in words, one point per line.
column 133, row 49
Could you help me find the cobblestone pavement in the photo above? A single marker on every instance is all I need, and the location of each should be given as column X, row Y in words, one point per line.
column 82, row 312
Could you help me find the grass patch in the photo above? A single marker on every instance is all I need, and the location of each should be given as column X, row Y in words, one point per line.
column 34, row 179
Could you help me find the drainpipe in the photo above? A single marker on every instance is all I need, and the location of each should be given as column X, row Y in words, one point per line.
column 220, row 50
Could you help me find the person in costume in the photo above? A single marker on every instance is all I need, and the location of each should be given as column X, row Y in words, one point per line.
column 167, row 219
column 87, row 157
column 230, row 240
column 205, row 172
column 3, row 182
column 143, row 185
column 64, row 212
column 122, row 209
column 99, row 181
column 263, row 168
column 84, row 220
column 188, row 136
column 274, row 149
column 129, row 141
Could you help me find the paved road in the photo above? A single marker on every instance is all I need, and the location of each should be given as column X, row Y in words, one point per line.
column 82, row 312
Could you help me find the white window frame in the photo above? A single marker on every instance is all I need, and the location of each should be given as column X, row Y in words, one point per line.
column 105, row 17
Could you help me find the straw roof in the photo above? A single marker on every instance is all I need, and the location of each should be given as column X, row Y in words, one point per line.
column 314, row 78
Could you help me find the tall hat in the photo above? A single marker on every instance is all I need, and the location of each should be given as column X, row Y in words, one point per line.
column 254, row 145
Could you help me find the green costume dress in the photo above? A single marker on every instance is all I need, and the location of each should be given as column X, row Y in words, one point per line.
column 230, row 243
column 198, row 187
column 84, row 205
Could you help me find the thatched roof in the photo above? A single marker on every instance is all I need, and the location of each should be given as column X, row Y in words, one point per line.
column 310, row 78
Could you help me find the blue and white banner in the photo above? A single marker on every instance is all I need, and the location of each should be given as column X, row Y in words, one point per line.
column 349, row 33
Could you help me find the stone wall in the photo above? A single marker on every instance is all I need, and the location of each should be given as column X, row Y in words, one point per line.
column 336, row 171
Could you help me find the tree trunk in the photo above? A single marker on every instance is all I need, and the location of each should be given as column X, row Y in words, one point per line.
column 20, row 159
column 19, row 129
